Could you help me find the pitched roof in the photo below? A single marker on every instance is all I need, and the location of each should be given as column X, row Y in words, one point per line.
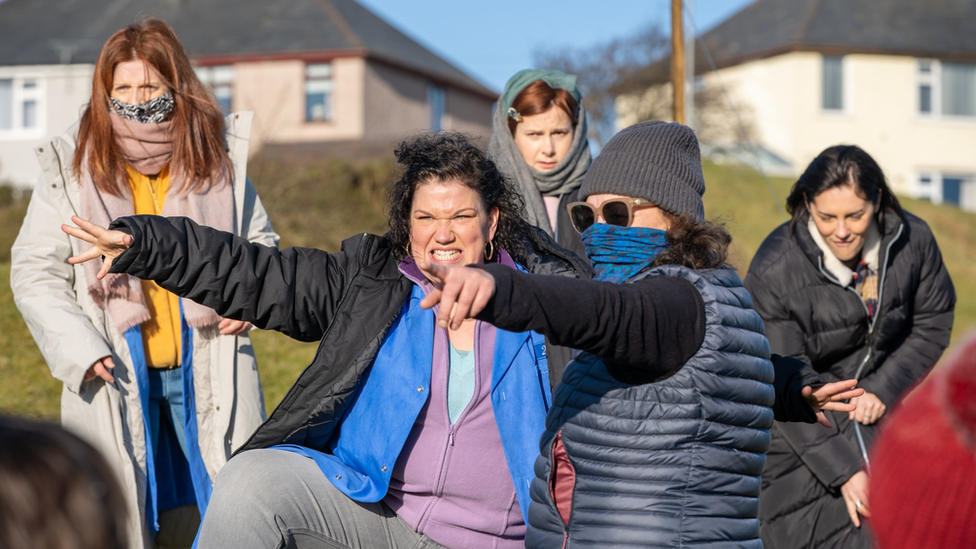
column 39, row 32
column 941, row 29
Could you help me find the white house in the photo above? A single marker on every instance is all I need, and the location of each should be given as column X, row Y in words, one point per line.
column 313, row 72
column 895, row 77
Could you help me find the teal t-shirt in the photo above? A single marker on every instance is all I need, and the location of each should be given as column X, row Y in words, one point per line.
column 460, row 383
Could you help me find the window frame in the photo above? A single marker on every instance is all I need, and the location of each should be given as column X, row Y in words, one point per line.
column 329, row 93
column 934, row 190
column 934, row 80
column 436, row 97
column 208, row 76
column 20, row 96
column 845, row 86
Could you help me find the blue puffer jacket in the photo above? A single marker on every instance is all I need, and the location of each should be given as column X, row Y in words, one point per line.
column 674, row 463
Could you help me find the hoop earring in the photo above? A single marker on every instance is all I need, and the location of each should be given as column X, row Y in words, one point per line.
column 408, row 251
column 489, row 250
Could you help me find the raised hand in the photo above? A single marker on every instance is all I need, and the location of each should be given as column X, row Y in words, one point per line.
column 105, row 243
column 462, row 292
column 831, row 396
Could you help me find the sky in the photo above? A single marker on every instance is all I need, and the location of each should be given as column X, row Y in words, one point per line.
column 492, row 40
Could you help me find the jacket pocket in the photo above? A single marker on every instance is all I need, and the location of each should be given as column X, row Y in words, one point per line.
column 562, row 479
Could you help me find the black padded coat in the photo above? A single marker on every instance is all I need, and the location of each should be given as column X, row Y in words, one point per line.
column 810, row 316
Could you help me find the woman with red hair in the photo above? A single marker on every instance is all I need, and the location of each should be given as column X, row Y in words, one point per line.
column 165, row 388
column 539, row 140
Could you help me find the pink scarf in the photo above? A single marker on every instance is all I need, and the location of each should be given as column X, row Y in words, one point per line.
column 148, row 149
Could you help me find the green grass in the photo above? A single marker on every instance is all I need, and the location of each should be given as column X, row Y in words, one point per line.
column 320, row 203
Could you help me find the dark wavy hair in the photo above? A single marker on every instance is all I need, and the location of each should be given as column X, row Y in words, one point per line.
column 694, row 244
column 56, row 490
column 448, row 156
column 843, row 165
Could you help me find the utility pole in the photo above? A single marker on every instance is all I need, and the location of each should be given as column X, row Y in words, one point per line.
column 678, row 62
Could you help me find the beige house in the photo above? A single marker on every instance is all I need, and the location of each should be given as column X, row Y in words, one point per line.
column 897, row 78
column 313, row 72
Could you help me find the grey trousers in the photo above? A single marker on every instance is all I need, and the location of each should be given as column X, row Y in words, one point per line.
column 274, row 498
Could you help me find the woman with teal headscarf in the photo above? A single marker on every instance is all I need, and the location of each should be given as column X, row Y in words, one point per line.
column 539, row 140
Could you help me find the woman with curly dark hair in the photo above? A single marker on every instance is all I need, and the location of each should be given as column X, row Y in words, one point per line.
column 400, row 433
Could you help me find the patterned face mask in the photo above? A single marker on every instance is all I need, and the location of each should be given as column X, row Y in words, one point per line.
column 152, row 111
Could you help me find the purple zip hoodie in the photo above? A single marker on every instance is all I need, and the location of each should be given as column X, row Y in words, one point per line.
column 452, row 482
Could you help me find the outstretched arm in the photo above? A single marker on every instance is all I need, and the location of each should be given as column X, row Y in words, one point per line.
column 294, row 291
column 644, row 331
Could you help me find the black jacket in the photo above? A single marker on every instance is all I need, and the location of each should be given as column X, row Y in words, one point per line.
column 566, row 235
column 808, row 315
column 352, row 299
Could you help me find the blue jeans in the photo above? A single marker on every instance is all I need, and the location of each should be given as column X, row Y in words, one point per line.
column 166, row 404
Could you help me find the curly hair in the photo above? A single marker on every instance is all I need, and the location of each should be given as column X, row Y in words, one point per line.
column 694, row 244
column 447, row 156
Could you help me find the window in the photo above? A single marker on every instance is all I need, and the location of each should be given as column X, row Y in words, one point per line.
column 833, row 83
column 6, row 104
column 959, row 190
column 20, row 107
column 946, row 88
column 318, row 92
column 435, row 106
column 220, row 79
column 948, row 188
column 959, row 89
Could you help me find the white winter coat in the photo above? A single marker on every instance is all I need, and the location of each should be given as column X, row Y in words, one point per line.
column 72, row 332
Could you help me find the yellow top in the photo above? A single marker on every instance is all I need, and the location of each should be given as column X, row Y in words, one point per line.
column 161, row 334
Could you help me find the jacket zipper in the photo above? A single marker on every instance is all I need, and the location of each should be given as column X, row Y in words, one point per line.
column 318, row 350
column 442, row 477
column 871, row 325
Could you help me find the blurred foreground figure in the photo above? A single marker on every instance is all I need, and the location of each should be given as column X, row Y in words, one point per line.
column 923, row 475
column 56, row 491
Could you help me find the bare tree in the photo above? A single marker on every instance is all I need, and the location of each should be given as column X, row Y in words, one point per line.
column 629, row 78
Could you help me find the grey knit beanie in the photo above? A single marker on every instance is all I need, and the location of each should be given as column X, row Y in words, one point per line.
column 657, row 161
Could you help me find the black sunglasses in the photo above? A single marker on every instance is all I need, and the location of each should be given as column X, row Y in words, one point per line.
column 616, row 211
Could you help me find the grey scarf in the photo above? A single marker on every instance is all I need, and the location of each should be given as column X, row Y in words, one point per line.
column 533, row 184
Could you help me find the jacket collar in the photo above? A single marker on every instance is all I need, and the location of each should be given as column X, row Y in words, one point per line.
column 507, row 344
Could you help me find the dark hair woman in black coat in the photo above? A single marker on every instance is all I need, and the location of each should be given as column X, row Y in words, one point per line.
column 854, row 286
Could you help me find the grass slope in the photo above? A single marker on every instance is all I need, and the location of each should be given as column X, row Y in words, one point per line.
column 319, row 203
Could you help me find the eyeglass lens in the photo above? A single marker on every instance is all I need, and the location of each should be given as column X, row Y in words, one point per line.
column 614, row 212
column 583, row 217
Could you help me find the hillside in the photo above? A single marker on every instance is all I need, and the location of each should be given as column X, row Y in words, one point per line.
column 320, row 203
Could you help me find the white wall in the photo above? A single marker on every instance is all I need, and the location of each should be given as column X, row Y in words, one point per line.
column 62, row 91
column 782, row 95
column 880, row 115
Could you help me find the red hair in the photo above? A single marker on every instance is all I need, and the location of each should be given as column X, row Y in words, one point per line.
column 197, row 122
column 538, row 97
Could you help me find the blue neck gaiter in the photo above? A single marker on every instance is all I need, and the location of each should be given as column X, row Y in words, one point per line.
column 619, row 253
